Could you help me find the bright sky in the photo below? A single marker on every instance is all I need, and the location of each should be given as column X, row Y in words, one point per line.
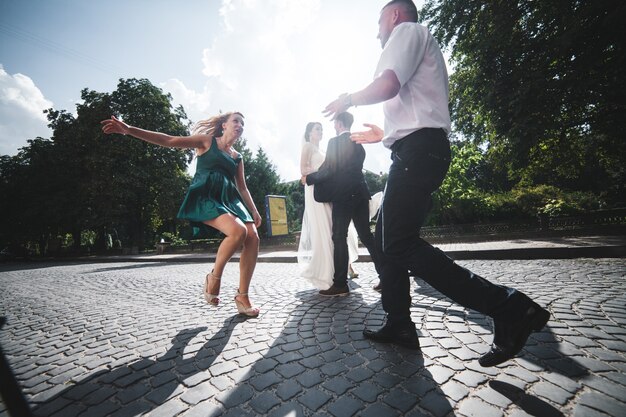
column 279, row 62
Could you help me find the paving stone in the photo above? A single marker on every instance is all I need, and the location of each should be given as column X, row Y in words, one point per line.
column 198, row 393
column 309, row 378
column 359, row 374
column 48, row 393
column 49, row 408
column 221, row 383
column 551, row 392
column 583, row 411
column 344, row 407
column 387, row 380
column 290, row 370
column 601, row 402
column 265, row 380
column 400, row 400
column 367, row 391
column 265, row 365
column 197, row 378
column 465, row 354
column 314, row 398
column 104, row 409
column 98, row 396
column 420, row 386
column 264, row 402
column 171, row 408
column 235, row 397
column 164, row 393
column 476, row 407
column 288, row 390
column 312, row 362
column 562, row 381
column 455, row 390
column 71, row 410
column 470, row 378
column 492, row 397
column 132, row 393
column 436, row 403
column 162, row 378
column 607, row 387
column 290, row 409
column 333, row 368
column 338, row 385
column 221, row 368
column 440, row 373
column 133, row 409
column 568, row 367
column 379, row 410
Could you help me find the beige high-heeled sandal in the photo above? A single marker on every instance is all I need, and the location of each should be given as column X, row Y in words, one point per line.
column 246, row 311
column 212, row 299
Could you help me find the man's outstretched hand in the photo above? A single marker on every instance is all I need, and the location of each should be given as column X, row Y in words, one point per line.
column 373, row 135
column 337, row 106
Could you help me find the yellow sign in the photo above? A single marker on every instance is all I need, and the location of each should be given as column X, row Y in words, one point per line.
column 276, row 213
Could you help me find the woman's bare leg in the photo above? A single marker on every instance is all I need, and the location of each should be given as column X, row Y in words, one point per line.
column 235, row 231
column 247, row 262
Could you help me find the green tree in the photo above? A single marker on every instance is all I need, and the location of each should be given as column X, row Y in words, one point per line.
column 460, row 199
column 541, row 84
column 375, row 182
column 30, row 182
column 82, row 180
column 262, row 180
column 154, row 178
column 294, row 191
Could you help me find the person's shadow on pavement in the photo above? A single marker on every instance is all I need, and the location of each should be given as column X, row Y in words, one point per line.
column 320, row 364
column 14, row 401
column 542, row 348
column 143, row 385
column 529, row 403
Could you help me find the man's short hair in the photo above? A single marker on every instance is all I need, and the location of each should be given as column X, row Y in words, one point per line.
column 408, row 6
column 346, row 119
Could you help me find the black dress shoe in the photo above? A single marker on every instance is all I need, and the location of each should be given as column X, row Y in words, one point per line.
column 511, row 339
column 335, row 291
column 405, row 338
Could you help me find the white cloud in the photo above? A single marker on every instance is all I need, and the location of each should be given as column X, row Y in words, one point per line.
column 21, row 112
column 280, row 62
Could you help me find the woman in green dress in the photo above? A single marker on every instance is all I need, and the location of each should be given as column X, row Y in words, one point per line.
column 217, row 197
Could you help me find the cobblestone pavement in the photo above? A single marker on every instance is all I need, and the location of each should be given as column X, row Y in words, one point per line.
column 126, row 339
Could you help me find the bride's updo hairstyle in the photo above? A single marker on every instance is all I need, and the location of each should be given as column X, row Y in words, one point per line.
column 307, row 130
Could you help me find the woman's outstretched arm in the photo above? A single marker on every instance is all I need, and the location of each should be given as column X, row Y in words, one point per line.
column 114, row 125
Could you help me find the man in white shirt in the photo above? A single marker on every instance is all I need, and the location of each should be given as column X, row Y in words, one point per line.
column 412, row 81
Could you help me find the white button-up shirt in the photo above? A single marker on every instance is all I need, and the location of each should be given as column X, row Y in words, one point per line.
column 415, row 57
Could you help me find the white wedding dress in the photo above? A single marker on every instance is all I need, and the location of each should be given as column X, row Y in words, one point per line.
column 315, row 250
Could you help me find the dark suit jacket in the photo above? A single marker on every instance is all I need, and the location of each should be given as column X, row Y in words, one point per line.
column 340, row 177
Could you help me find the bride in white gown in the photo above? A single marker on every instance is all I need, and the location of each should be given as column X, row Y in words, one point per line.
column 315, row 251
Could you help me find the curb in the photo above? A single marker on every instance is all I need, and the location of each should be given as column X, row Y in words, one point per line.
column 570, row 252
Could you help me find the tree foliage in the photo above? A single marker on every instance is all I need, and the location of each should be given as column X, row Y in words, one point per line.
column 541, row 85
column 81, row 179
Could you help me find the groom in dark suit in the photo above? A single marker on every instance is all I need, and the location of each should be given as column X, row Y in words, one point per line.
column 340, row 180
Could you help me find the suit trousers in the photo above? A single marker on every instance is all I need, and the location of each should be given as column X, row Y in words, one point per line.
column 355, row 209
column 420, row 162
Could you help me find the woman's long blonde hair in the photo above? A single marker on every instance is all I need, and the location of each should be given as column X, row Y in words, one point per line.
column 213, row 126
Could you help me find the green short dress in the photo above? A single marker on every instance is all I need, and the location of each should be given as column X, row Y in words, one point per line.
column 212, row 191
